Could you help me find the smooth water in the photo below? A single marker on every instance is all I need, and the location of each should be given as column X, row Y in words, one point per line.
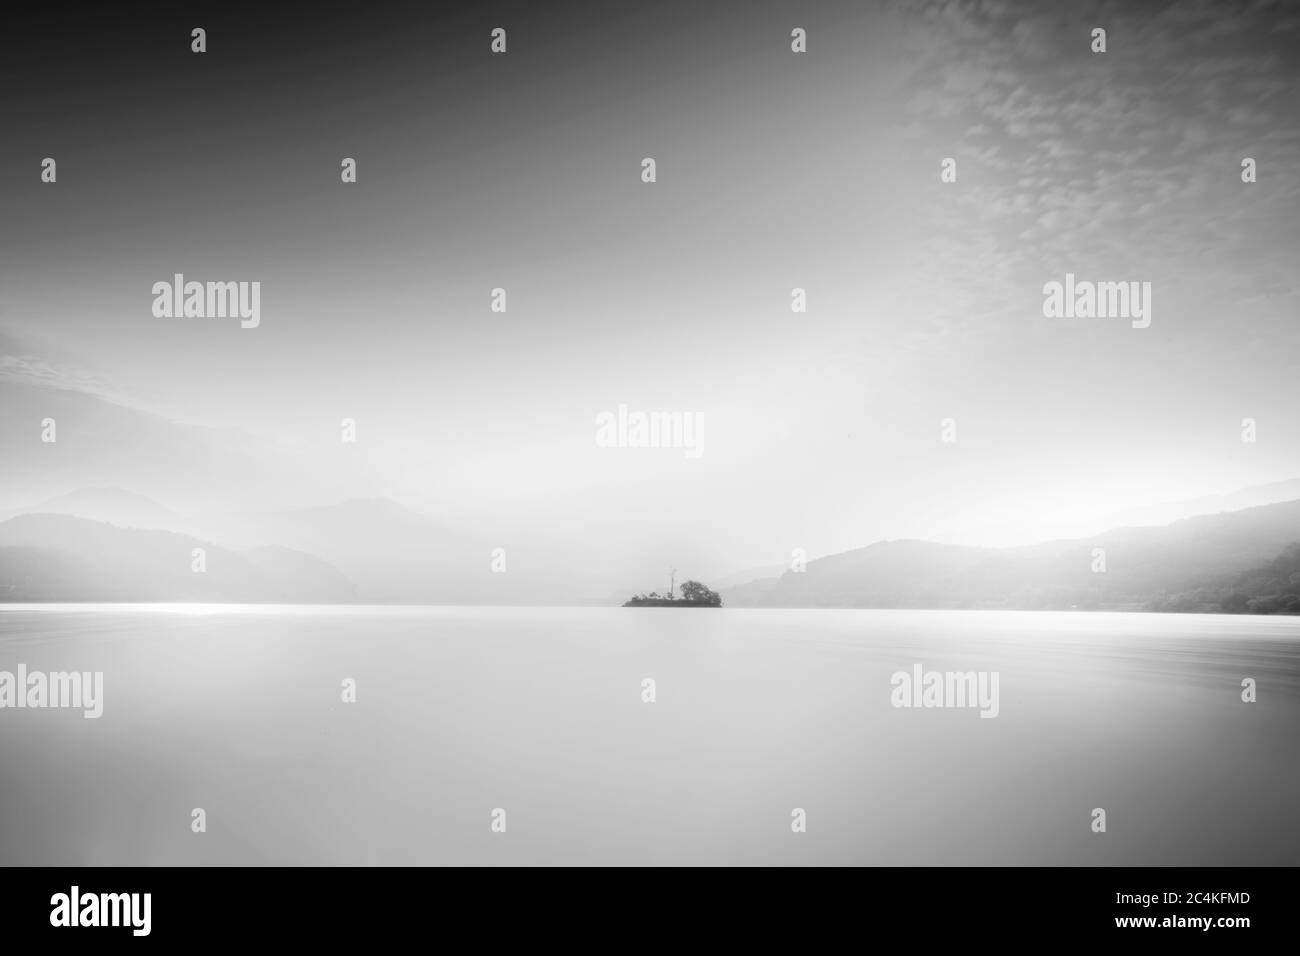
column 539, row 711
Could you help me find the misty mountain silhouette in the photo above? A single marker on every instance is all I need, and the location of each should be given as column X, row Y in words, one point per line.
column 393, row 554
column 384, row 552
column 1193, row 564
column 102, row 444
column 396, row 555
column 376, row 550
column 49, row 557
column 126, row 509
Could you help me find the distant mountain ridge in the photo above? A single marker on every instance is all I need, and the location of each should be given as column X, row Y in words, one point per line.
column 126, row 509
column 1192, row 564
column 50, row 557
column 378, row 551
column 386, row 552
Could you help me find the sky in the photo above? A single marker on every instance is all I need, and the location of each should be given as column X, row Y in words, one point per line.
column 775, row 170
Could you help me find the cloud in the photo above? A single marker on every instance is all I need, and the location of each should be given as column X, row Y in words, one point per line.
column 1070, row 160
column 20, row 363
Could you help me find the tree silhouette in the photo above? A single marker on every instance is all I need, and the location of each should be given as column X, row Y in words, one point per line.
column 695, row 591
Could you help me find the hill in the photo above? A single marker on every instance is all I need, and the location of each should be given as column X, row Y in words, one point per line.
column 48, row 557
column 1193, row 564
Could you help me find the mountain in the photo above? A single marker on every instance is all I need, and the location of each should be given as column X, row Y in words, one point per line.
column 125, row 509
column 50, row 557
column 1169, row 512
column 1275, row 587
column 101, row 444
column 1193, row 564
column 397, row 555
column 380, row 551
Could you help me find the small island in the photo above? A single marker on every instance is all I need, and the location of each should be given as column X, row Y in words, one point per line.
column 694, row 594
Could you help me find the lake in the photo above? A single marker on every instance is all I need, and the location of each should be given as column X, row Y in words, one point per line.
column 238, row 710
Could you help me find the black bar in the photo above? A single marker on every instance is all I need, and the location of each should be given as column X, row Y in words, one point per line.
column 333, row 906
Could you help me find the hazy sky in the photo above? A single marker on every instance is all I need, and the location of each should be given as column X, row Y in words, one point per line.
column 775, row 170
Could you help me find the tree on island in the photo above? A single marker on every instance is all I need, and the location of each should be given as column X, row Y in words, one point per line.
column 694, row 594
column 695, row 591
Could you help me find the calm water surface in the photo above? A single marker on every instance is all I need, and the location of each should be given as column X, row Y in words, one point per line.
column 538, row 711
